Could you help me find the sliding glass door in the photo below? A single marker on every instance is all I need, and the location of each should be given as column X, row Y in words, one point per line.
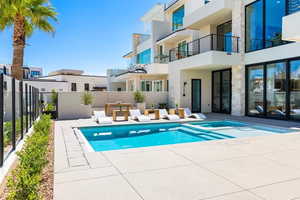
column 276, row 90
column 196, row 95
column 273, row 90
column 255, row 90
column 221, row 97
column 295, row 90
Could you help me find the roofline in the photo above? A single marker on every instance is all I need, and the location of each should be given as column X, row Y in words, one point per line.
column 44, row 80
column 74, row 75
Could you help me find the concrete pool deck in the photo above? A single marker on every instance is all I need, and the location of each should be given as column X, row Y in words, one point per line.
column 254, row 168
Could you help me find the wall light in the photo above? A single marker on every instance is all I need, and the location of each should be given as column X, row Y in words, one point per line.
column 184, row 88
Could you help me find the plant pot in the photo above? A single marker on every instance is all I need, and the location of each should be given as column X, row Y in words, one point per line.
column 141, row 106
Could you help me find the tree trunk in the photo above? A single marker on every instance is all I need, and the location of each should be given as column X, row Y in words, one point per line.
column 18, row 47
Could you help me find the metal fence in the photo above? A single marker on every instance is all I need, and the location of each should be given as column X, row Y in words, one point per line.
column 212, row 42
column 19, row 108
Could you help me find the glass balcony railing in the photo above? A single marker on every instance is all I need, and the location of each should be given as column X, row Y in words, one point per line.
column 211, row 42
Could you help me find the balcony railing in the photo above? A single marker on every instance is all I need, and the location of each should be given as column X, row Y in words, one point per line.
column 162, row 59
column 211, row 42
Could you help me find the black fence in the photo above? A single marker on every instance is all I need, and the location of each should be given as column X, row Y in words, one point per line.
column 213, row 42
column 19, row 108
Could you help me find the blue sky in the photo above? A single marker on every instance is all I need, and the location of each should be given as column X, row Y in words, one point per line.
column 91, row 35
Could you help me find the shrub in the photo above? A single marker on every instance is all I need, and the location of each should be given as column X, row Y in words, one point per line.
column 25, row 179
column 54, row 96
column 50, row 107
column 138, row 97
column 87, row 98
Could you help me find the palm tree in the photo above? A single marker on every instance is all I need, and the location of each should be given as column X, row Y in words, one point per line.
column 25, row 16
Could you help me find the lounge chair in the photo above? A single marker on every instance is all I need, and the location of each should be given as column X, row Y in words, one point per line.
column 189, row 114
column 101, row 117
column 163, row 113
column 136, row 115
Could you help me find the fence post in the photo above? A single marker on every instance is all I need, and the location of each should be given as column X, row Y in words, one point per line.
column 1, row 121
column 26, row 104
column 21, row 109
column 13, row 83
column 30, row 106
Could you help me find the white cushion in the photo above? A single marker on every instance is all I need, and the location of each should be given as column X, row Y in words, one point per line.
column 104, row 120
column 144, row 118
column 173, row 117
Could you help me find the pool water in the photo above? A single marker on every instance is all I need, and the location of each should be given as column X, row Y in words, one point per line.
column 133, row 136
column 108, row 138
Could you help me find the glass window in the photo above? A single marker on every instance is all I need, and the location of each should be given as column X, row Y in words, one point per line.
column 295, row 90
column 182, row 50
column 264, row 24
column 146, row 86
column 276, row 90
column 73, row 87
column 158, row 86
column 177, row 21
column 255, row 90
column 86, row 87
column 144, row 57
column 224, row 37
column 275, row 11
column 254, row 26
column 293, row 6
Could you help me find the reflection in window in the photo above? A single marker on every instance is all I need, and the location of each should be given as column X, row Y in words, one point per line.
column 256, row 90
column 275, row 11
column 276, row 91
column 177, row 21
column 295, row 90
column 254, row 26
column 144, row 57
column 271, row 24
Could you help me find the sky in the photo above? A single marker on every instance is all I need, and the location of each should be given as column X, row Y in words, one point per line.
column 91, row 35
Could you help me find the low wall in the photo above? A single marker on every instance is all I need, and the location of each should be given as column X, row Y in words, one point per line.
column 70, row 103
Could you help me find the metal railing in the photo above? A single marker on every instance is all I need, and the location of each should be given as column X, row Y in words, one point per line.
column 19, row 108
column 211, row 42
column 162, row 59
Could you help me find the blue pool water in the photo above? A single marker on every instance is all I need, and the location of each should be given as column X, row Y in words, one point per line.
column 107, row 138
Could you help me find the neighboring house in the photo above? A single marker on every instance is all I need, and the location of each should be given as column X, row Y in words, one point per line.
column 77, row 82
column 223, row 56
column 29, row 72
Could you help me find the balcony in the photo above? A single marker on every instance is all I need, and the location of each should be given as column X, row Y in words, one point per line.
column 213, row 12
column 175, row 36
column 290, row 27
column 213, row 42
column 209, row 52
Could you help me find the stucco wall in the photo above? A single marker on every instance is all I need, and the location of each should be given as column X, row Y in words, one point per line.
column 70, row 103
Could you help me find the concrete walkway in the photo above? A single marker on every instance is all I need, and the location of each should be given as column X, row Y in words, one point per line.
column 256, row 168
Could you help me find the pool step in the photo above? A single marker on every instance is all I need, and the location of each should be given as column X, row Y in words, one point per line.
column 212, row 134
column 203, row 135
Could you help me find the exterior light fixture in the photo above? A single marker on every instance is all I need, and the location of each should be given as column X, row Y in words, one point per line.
column 184, row 88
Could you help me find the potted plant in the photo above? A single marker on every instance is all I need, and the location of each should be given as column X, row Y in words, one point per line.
column 87, row 100
column 51, row 108
column 139, row 99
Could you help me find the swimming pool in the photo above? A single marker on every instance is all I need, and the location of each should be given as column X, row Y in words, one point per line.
column 108, row 138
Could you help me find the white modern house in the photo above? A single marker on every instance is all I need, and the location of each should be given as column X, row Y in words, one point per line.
column 75, row 81
column 29, row 72
column 226, row 56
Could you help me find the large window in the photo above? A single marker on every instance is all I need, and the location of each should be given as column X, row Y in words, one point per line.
column 295, row 89
column 273, row 90
column 158, row 86
column 177, row 21
column 73, row 87
column 255, row 90
column 264, row 24
column 144, row 57
column 293, row 6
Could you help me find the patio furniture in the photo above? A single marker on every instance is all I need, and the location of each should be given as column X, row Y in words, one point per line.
column 136, row 115
column 117, row 113
column 188, row 113
column 155, row 111
column 165, row 115
column 101, row 118
column 121, row 106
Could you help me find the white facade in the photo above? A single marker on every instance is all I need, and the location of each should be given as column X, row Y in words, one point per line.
column 199, row 50
column 77, row 82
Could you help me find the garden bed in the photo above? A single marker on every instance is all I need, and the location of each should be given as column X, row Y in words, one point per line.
column 17, row 182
